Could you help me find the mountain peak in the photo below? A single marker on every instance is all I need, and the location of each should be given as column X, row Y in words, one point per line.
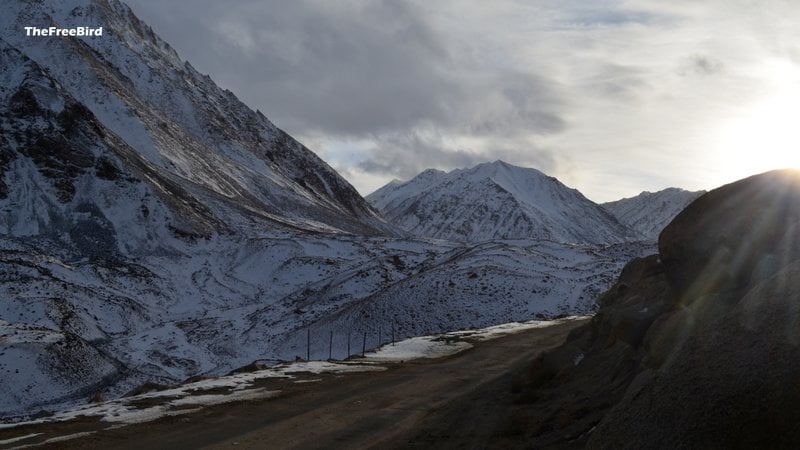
column 498, row 165
column 496, row 200
column 430, row 174
column 166, row 125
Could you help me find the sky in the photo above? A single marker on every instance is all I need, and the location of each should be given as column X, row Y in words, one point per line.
column 611, row 97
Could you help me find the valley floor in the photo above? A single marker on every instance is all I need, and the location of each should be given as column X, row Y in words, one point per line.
column 460, row 401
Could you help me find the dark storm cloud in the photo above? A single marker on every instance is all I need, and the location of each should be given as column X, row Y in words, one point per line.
column 355, row 69
column 343, row 67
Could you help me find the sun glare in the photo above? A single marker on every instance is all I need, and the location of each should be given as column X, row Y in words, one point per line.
column 765, row 137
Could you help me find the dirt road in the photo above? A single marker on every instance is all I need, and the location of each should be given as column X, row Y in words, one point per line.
column 456, row 402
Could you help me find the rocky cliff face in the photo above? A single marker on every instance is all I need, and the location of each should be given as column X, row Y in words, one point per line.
column 497, row 201
column 695, row 347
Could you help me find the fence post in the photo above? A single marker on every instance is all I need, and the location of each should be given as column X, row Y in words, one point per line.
column 308, row 344
column 364, row 345
column 348, row 344
column 330, row 346
column 393, row 333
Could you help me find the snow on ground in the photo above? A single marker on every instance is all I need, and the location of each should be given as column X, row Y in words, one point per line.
column 485, row 334
column 19, row 438
column 447, row 344
column 241, row 386
column 12, row 334
column 231, row 301
column 418, row 347
column 66, row 437
column 168, row 402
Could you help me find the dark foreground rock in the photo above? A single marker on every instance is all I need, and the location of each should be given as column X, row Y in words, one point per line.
column 697, row 347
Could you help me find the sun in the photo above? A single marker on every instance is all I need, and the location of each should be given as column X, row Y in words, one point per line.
column 765, row 136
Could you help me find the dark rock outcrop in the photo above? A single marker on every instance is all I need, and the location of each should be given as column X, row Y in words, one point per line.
column 696, row 347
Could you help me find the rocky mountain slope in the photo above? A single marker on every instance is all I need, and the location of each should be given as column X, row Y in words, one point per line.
column 141, row 117
column 153, row 228
column 496, row 201
column 649, row 212
column 70, row 329
column 692, row 348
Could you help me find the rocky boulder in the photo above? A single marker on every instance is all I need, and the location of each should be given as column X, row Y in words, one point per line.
column 696, row 347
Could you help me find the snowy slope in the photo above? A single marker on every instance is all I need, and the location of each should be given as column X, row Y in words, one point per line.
column 70, row 329
column 496, row 201
column 154, row 228
column 395, row 191
column 471, row 287
column 174, row 126
column 649, row 212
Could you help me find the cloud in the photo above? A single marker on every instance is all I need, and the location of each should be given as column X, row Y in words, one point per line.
column 345, row 67
column 404, row 155
column 350, row 68
column 700, row 65
column 356, row 69
column 611, row 96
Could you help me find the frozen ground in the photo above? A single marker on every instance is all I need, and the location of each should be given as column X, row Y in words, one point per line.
column 446, row 344
column 186, row 398
column 73, row 329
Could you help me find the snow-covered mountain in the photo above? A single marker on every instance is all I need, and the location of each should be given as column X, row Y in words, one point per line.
column 496, row 201
column 649, row 212
column 130, row 185
column 88, row 118
column 153, row 228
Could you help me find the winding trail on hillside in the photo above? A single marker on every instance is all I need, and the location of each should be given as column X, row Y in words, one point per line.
column 455, row 402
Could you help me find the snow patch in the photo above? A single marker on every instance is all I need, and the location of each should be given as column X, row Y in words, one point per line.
column 20, row 438
column 441, row 345
column 127, row 410
column 505, row 329
column 429, row 347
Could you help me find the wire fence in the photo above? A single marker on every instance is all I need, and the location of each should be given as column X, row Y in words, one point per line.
column 356, row 344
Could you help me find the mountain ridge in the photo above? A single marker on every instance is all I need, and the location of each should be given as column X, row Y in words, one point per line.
column 649, row 212
column 519, row 203
column 183, row 127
